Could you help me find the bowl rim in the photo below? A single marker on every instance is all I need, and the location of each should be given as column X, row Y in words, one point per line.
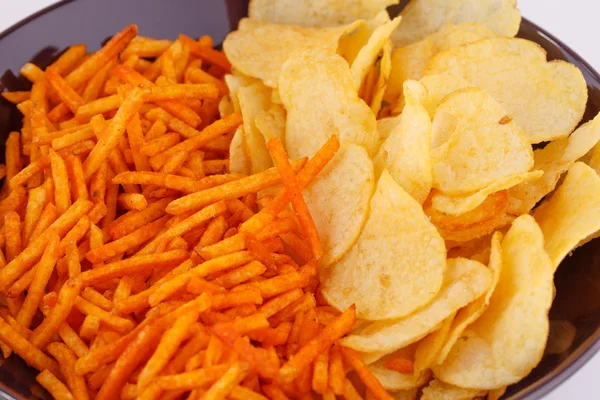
column 576, row 360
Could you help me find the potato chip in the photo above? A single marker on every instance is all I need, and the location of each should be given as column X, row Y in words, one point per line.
column 438, row 390
column 259, row 49
column 239, row 161
column 271, row 123
column 392, row 380
column 409, row 394
column 473, row 311
column 399, row 258
column 317, row 14
column 338, row 200
column 384, row 65
column 508, row 339
column 385, row 126
column 443, row 126
column 469, row 160
column 429, row 347
column 234, row 83
column 425, row 17
column 352, row 43
column 547, row 99
column 331, row 107
column 554, row 159
column 457, row 205
column 561, row 337
column 254, row 100
column 572, row 213
column 464, row 281
column 454, row 35
column 439, row 86
column 406, row 152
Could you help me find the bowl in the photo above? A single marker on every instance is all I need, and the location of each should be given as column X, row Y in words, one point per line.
column 41, row 38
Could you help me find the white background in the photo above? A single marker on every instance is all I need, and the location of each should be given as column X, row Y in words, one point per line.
column 575, row 22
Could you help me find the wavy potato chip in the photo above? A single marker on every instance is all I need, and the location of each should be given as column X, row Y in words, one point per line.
column 317, row 14
column 234, row 83
column 351, row 44
column 425, row 17
column 385, row 126
column 258, row 49
column 473, row 311
column 239, row 161
column 438, row 390
column 330, row 107
column 392, row 380
column 483, row 140
column 464, row 281
column 507, row 341
column 338, row 200
column 572, row 213
column 385, row 69
column 546, row 99
column 429, row 347
column 554, row 159
column 271, row 123
column 399, row 259
column 406, row 152
column 254, row 100
column 438, row 87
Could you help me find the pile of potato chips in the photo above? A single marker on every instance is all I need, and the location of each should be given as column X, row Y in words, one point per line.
column 452, row 131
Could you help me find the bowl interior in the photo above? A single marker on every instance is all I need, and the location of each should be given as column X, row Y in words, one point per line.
column 43, row 36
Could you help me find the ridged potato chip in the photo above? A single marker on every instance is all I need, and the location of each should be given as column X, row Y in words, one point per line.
column 399, row 259
column 395, row 381
column 438, row 390
column 338, row 200
column 439, row 86
column 239, row 161
column 254, row 100
column 572, row 213
column 554, row 159
column 330, row 107
column 464, row 281
column 483, row 141
column 429, row 347
column 424, row 17
column 316, row 14
column 258, row 49
column 546, row 99
column 508, row 339
column 406, row 153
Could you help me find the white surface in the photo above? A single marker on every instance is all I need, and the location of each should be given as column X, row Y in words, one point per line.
column 575, row 22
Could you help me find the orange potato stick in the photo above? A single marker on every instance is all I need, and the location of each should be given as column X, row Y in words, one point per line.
column 200, row 304
column 336, row 372
column 218, row 145
column 196, row 361
column 225, row 384
column 132, row 265
column 136, row 141
column 193, row 347
column 127, row 242
column 168, row 68
column 89, row 328
column 24, row 349
column 21, row 285
column 74, row 138
column 168, row 345
column 304, row 177
column 236, row 189
column 241, row 393
column 47, row 218
column 96, row 298
column 206, row 53
column 320, row 374
column 400, row 365
column 128, row 361
column 48, row 137
column 13, row 155
column 98, row 184
column 157, row 129
column 109, row 140
column 66, row 360
column 145, row 47
column 260, row 252
column 179, row 183
column 36, row 290
column 212, row 167
column 194, row 379
column 78, row 77
column 132, row 201
column 225, row 246
column 16, row 97
column 211, row 132
column 112, row 192
column 280, row 302
column 170, row 287
column 304, row 303
column 354, row 359
column 112, row 321
column 274, row 392
column 54, row 386
column 97, row 378
column 32, row 72
column 213, row 352
column 241, row 274
column 182, row 128
column 235, row 299
column 200, row 285
column 184, row 91
column 59, row 114
column 174, row 165
column 325, row 316
column 98, row 106
column 306, row 355
column 96, row 83
column 199, row 76
column 134, row 220
column 157, row 114
column 214, row 231
column 276, row 228
column 95, row 236
column 350, row 392
column 291, row 184
column 13, row 201
column 55, row 318
column 28, row 172
column 69, row 59
column 272, row 337
column 65, row 92
column 160, row 144
column 75, row 234
column 62, row 193
column 12, row 230
column 298, row 245
column 280, row 284
column 75, row 170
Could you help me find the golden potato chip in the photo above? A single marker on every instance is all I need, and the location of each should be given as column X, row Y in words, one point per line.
column 317, row 14
column 561, row 337
column 239, row 161
column 234, row 83
column 469, row 160
column 386, row 126
column 438, row 390
column 271, row 123
column 443, row 126
column 546, row 99
column 392, row 380
column 225, row 106
column 351, row 44
column 496, row 394
column 464, row 281
column 554, row 159
column 366, row 57
column 508, row 339
column 454, row 35
column 338, row 200
column 425, row 17
column 254, row 100
column 470, row 313
column 572, row 213
column 330, row 107
column 429, row 347
column 384, row 65
column 439, row 86
column 399, row 258
column 259, row 49
column 457, row 205
column 406, row 152
column 409, row 394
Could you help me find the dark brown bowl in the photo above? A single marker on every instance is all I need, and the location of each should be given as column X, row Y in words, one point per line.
column 41, row 37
